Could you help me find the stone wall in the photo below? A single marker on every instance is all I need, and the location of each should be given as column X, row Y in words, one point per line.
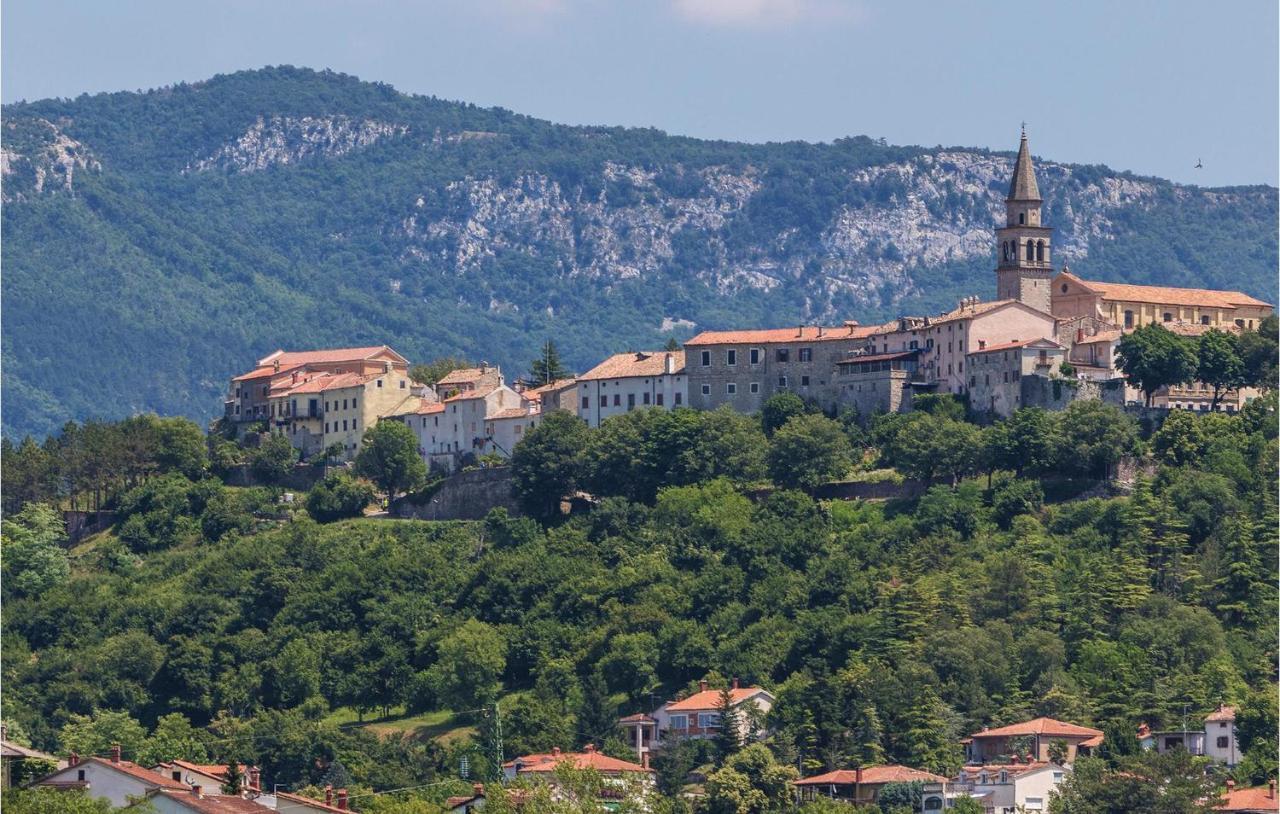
column 465, row 496
column 1056, row 394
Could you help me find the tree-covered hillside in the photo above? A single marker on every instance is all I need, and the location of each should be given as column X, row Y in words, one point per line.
column 154, row 243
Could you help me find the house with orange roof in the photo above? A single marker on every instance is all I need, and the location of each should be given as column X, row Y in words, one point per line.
column 1132, row 306
column 199, row 800
column 744, row 368
column 114, row 779
column 996, row 372
column 1034, row 738
column 1014, row 787
column 248, row 397
column 1213, row 735
column 469, row 380
column 324, row 411
column 207, row 775
column 621, row 778
column 631, row 381
column 697, row 716
column 864, row 784
column 470, row 423
column 1256, row 800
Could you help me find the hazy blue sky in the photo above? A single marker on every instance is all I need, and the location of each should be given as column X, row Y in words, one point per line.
column 1143, row 86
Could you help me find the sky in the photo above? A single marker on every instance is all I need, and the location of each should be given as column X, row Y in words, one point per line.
column 1148, row 86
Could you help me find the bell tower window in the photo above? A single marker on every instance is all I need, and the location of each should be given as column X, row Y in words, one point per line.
column 1040, row 251
column 1022, row 218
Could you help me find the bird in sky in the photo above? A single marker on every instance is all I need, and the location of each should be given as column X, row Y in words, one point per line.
column 1199, row 164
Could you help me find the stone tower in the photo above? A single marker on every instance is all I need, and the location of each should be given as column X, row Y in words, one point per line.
column 1024, row 269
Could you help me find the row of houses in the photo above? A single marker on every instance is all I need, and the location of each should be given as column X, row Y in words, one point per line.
column 1045, row 328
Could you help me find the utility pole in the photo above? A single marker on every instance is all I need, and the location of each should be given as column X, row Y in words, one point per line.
column 497, row 735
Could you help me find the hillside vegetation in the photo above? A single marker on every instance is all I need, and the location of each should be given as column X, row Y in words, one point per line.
column 155, row 243
column 204, row 621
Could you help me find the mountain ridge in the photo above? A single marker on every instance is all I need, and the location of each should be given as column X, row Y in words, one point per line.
column 187, row 230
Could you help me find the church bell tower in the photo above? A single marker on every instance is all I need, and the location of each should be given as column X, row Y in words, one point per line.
column 1024, row 268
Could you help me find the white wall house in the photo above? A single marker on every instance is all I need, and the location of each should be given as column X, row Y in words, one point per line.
column 632, row 381
column 1215, row 739
column 1013, row 788
column 697, row 716
column 470, row 423
column 118, row 781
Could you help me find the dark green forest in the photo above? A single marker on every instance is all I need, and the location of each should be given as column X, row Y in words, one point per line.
column 212, row 623
column 141, row 282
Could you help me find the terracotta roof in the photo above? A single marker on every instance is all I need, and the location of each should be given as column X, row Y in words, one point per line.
column 512, row 412
column 420, row 407
column 970, row 311
column 124, row 767
column 1222, row 713
column 808, row 333
column 646, row 363
column 210, row 803
column 327, row 356
column 1022, row 343
column 454, row 802
column 15, row 750
column 265, row 372
column 1101, row 336
column 638, row 718
column 463, row 375
column 1259, row 798
column 324, row 383
column 872, row 775
column 317, row 805
column 1023, row 185
column 710, row 699
column 558, row 384
column 1013, row 769
column 1168, row 295
column 467, row 395
column 1092, row 743
column 1040, row 726
column 589, row 759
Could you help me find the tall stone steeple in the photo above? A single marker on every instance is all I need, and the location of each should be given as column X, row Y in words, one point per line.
column 1023, row 246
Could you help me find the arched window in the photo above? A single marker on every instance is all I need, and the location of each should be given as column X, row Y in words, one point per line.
column 1004, row 250
column 1022, row 218
column 1040, row 250
column 1031, row 250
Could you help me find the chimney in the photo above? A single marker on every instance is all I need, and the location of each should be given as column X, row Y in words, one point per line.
column 669, row 365
column 857, row 776
column 590, row 748
column 1231, row 786
column 342, row 799
column 644, row 759
column 819, row 331
column 735, row 682
column 73, row 759
column 115, row 753
column 702, row 685
column 1014, row 759
column 555, row 751
column 478, row 789
column 328, row 795
column 1079, row 334
column 198, row 791
column 800, row 330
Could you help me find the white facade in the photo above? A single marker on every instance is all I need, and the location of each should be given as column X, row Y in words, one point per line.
column 632, row 381
column 472, row 422
column 1014, row 789
column 101, row 779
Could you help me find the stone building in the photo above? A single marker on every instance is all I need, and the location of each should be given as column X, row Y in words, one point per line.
column 877, row 382
column 1025, row 266
column 630, row 381
column 1131, row 306
column 996, row 373
column 744, row 368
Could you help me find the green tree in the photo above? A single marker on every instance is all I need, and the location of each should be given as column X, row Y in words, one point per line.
column 1153, row 357
column 597, row 714
column 181, row 447
column 547, row 465
column 235, row 779
column 58, row 801
column 1259, row 353
column 469, row 662
column 1173, row 782
column 750, row 782
column 1026, row 443
column 96, row 733
column 547, row 367
column 174, row 738
column 274, row 458
column 729, row 736
column 337, row 496
column 928, row 446
column 389, row 457
column 778, row 409
column 1218, row 363
column 809, row 450
column 31, row 548
column 1095, row 436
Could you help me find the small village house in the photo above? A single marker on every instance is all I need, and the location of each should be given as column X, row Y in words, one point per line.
column 629, row 381
column 18, row 760
column 1012, row 788
column 1256, row 800
column 113, row 779
column 1214, row 736
column 863, row 785
column 697, row 716
column 1034, row 737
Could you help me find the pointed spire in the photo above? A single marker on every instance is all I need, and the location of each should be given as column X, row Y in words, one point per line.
column 1023, row 187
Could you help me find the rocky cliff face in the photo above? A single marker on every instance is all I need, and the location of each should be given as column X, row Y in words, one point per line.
column 288, row 140
column 39, row 158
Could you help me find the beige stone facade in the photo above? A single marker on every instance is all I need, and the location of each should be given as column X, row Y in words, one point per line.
column 996, row 373
column 876, row 383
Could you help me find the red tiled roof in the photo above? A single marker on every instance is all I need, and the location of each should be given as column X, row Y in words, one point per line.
column 589, row 759
column 872, row 775
column 467, row 395
column 512, row 412
column 638, row 718
column 1022, row 343
column 125, row 767
column 1040, row 726
column 1013, row 769
column 808, row 333
column 1167, row 295
column 464, row 375
column 1092, row 742
column 210, row 803
column 710, row 699
column 264, row 372
column 970, row 311
column 558, row 384
column 1101, row 336
column 327, row 382
column 317, row 805
column 454, row 802
column 644, row 363
column 327, row 356
column 420, row 406
column 1259, row 798
column 1222, row 713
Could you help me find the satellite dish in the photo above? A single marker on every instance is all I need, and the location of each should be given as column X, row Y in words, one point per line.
column 189, row 780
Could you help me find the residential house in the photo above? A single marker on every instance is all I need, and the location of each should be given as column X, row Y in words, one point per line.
column 469, row 424
column 199, row 800
column 1215, row 737
column 287, row 803
column 698, row 716
column 248, row 398
column 744, row 368
column 116, row 780
column 1132, row 306
column 1256, row 800
column 209, row 776
column 505, row 427
column 323, row 411
column 562, row 394
column 996, row 372
column 1011, row 788
column 863, row 785
column 620, row 778
column 469, row 380
column 1033, row 737
column 13, row 756
column 973, row 326
column 873, row 383
column 629, row 381
column 466, row 803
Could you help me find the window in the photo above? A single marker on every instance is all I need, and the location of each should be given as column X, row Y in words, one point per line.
column 679, row 721
column 646, row 398
column 804, row 381
column 706, row 358
column 706, row 389
column 1004, row 776
column 782, row 381
column 379, row 382
column 344, row 425
column 755, row 387
column 1239, row 323
column 1204, row 319
column 326, row 426
column 604, row 401
column 731, row 388
column 1223, row 742
column 1168, row 317
column 679, row 398
column 617, row 399
column 1039, row 251
column 1128, row 319
column 1034, row 804
column 1064, row 288
column 783, row 354
column 731, row 357
column 586, row 402
column 1022, row 218
column 709, row 720
column 80, row 774
column 631, row 401
column 755, row 356
column 659, row 399
column 402, row 384
column 806, row 354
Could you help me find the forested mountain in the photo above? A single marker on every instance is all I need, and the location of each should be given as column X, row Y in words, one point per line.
column 155, row 242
